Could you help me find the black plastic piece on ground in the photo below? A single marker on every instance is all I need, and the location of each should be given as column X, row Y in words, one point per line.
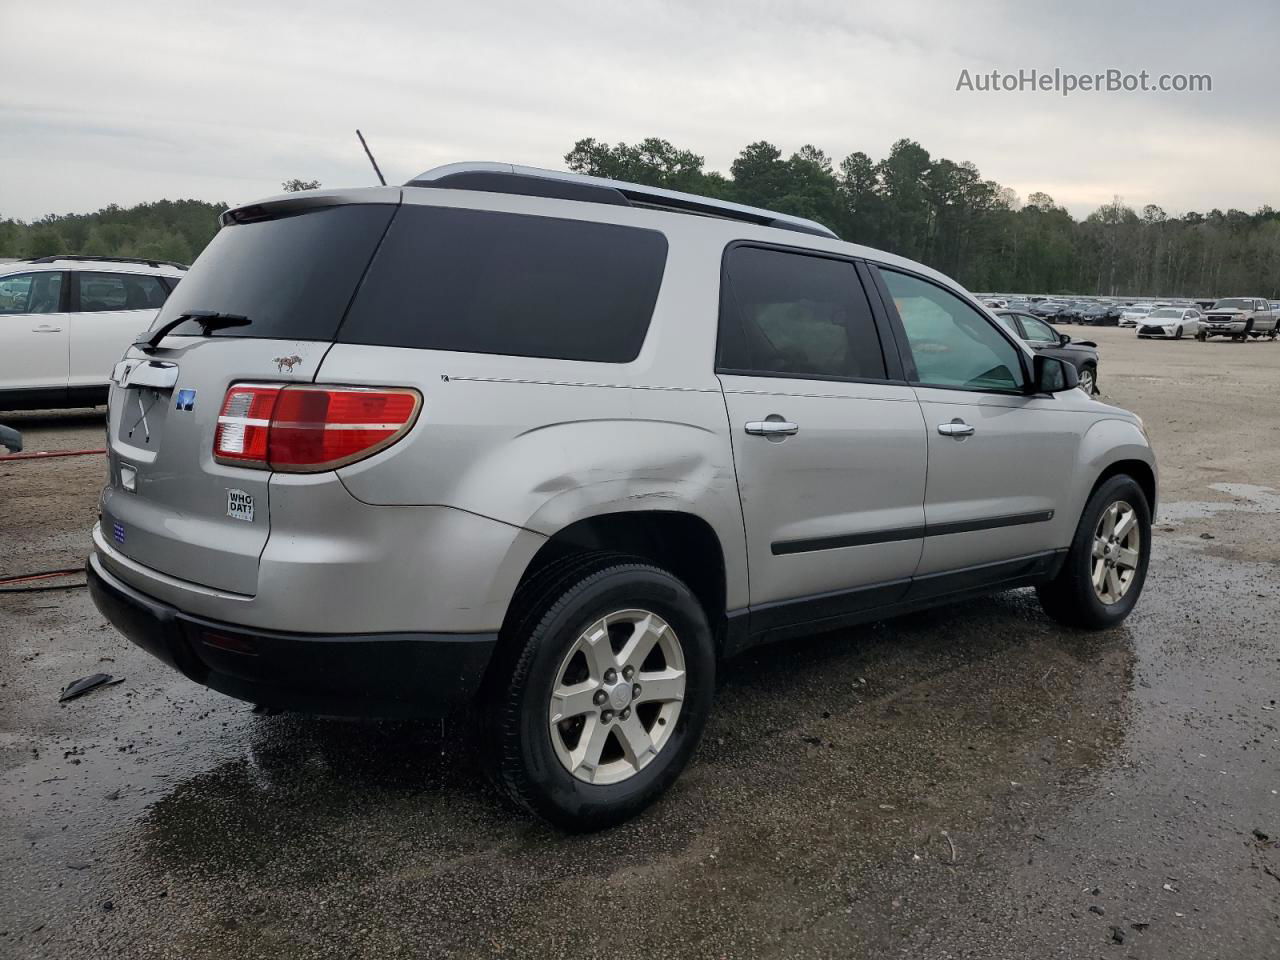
column 78, row 688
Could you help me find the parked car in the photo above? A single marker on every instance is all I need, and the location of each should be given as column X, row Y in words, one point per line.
column 1101, row 315
column 995, row 303
column 1240, row 318
column 1042, row 338
column 65, row 321
column 1046, row 309
column 1130, row 315
column 1174, row 322
column 516, row 458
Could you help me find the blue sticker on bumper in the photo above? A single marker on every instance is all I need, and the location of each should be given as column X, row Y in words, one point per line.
column 186, row 399
column 117, row 532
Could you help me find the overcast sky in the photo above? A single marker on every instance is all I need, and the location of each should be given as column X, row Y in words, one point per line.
column 123, row 102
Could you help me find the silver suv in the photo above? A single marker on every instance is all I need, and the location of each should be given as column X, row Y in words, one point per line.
column 557, row 446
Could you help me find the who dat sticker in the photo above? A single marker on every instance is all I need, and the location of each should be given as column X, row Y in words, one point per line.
column 240, row 505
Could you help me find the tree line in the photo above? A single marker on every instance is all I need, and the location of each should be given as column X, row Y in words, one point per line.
column 934, row 210
column 943, row 213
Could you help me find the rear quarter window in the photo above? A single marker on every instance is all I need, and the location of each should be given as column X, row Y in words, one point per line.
column 486, row 282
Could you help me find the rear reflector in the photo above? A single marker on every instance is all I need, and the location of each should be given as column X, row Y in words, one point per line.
column 309, row 429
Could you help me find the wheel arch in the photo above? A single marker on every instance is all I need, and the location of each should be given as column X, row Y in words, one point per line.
column 1114, row 446
column 1139, row 470
column 679, row 541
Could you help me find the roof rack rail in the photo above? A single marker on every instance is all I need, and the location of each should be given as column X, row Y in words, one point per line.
column 535, row 182
column 93, row 259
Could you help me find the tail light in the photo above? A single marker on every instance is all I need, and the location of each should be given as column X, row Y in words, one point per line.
column 308, row 429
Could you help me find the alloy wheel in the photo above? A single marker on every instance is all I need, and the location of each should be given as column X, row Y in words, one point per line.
column 617, row 696
column 1117, row 551
column 1087, row 381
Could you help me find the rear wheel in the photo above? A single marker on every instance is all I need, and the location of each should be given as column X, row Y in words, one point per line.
column 1106, row 565
column 603, row 694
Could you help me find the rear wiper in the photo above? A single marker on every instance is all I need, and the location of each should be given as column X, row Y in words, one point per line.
column 209, row 320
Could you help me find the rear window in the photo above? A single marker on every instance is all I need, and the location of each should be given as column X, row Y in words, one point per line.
column 292, row 277
column 486, row 282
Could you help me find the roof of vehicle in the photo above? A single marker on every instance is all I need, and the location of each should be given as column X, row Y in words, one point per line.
column 115, row 264
column 726, row 222
column 534, row 181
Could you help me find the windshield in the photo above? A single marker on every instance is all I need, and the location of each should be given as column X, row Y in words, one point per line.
column 1236, row 304
column 1167, row 312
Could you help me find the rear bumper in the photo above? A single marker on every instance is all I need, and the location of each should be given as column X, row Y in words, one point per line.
column 380, row 674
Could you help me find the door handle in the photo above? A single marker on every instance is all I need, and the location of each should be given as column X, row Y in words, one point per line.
column 772, row 427
column 45, row 328
column 957, row 429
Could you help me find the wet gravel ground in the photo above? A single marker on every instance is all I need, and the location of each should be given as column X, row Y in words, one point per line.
column 972, row 782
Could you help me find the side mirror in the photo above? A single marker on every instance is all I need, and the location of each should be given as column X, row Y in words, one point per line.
column 1063, row 339
column 1053, row 375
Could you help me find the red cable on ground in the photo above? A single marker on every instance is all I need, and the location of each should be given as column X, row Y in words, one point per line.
column 49, row 455
column 40, row 575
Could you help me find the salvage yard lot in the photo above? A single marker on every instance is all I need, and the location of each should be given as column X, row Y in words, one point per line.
column 967, row 782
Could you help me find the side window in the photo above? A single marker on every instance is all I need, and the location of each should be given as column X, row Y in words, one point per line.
column 119, row 291
column 1038, row 331
column 31, row 293
column 1010, row 324
column 795, row 315
column 952, row 343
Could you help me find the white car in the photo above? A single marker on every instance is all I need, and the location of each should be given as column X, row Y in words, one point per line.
column 1175, row 322
column 65, row 321
column 1130, row 316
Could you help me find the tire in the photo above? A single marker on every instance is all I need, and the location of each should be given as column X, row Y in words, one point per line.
column 543, row 641
column 1178, row 335
column 1071, row 597
column 1089, row 376
column 1202, row 337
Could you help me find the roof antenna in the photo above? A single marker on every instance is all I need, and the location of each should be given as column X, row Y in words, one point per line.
column 371, row 160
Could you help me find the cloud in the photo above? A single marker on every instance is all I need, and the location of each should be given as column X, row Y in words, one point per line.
column 130, row 102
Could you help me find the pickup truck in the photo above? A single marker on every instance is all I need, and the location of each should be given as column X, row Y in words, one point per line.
column 1240, row 318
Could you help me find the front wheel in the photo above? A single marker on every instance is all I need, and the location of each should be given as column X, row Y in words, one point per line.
column 605, row 692
column 1106, row 564
column 1089, row 381
column 1178, row 335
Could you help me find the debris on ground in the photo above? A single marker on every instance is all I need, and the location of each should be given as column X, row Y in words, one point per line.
column 78, row 688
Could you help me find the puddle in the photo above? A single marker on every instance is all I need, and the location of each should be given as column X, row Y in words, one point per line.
column 1247, row 498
